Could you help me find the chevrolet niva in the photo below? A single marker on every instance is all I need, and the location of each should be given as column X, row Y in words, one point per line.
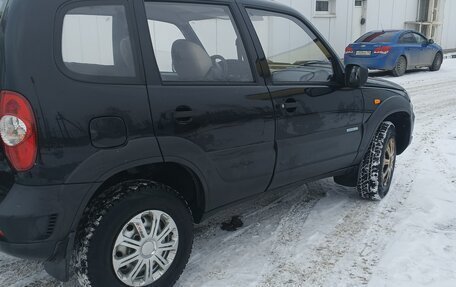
column 123, row 123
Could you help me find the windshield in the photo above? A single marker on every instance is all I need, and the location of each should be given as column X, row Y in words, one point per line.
column 377, row 37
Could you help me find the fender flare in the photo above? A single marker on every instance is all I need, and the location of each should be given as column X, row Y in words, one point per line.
column 393, row 105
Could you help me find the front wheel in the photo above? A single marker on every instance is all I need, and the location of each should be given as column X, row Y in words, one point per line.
column 139, row 234
column 437, row 63
column 377, row 168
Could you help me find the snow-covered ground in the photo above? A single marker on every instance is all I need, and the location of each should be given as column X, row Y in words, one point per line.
column 322, row 235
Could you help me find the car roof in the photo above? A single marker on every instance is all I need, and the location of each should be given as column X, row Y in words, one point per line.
column 397, row 33
column 391, row 31
column 269, row 4
column 184, row 13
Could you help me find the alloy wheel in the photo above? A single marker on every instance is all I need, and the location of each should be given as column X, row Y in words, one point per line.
column 388, row 161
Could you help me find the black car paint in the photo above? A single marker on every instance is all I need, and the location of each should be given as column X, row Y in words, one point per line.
column 237, row 140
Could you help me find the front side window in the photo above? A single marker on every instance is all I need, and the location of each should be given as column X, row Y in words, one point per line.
column 197, row 42
column 2, row 7
column 163, row 42
column 293, row 52
column 408, row 39
column 96, row 42
column 420, row 39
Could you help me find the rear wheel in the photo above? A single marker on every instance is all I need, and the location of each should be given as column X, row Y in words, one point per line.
column 377, row 168
column 401, row 67
column 438, row 60
column 139, row 234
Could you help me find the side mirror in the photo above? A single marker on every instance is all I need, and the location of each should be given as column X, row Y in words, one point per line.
column 355, row 76
column 430, row 42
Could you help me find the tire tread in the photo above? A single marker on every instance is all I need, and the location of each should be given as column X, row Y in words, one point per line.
column 369, row 171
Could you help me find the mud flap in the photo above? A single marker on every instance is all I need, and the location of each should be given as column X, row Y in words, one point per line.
column 58, row 266
column 350, row 179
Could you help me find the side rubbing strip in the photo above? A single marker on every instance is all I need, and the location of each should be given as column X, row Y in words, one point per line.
column 350, row 130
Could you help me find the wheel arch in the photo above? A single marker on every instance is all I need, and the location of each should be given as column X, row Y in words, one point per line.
column 397, row 110
column 403, row 126
column 180, row 177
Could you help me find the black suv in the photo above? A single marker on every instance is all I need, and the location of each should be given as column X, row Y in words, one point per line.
column 125, row 122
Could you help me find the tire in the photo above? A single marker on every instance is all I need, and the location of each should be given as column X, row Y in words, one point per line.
column 115, row 214
column 401, row 67
column 437, row 63
column 375, row 174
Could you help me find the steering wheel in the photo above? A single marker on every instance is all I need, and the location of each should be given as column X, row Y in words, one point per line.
column 221, row 65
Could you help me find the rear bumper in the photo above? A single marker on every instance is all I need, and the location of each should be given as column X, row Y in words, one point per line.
column 35, row 219
column 40, row 250
column 380, row 62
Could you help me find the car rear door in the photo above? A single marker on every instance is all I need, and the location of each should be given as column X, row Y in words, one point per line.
column 319, row 121
column 215, row 118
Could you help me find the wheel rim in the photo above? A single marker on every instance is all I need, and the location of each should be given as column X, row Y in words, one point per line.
column 388, row 162
column 145, row 248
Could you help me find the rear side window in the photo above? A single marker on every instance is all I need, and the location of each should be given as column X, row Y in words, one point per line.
column 377, row 37
column 96, row 42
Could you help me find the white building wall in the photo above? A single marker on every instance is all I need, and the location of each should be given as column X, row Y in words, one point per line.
column 390, row 14
column 449, row 25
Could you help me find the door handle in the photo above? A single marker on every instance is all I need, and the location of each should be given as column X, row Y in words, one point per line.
column 183, row 114
column 290, row 105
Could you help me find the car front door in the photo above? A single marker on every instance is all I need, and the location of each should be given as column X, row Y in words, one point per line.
column 412, row 49
column 211, row 110
column 319, row 121
column 427, row 51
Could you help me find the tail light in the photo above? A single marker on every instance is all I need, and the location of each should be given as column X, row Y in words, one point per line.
column 382, row 50
column 18, row 130
column 349, row 50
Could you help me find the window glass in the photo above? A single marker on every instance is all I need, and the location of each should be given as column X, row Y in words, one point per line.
column 163, row 42
column 420, row 39
column 322, row 6
column 95, row 41
column 408, row 39
column 2, row 7
column 325, row 7
column 214, row 34
column 293, row 52
column 197, row 42
column 377, row 37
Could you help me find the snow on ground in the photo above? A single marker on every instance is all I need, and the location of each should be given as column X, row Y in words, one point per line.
column 322, row 235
